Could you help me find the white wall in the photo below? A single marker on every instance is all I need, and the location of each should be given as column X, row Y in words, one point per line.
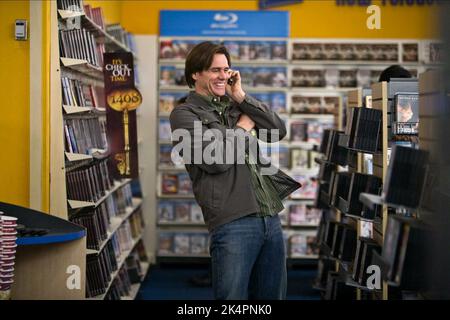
column 147, row 64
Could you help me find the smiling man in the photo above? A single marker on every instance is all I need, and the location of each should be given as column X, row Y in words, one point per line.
column 240, row 205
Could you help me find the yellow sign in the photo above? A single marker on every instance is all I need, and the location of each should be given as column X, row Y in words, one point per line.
column 124, row 99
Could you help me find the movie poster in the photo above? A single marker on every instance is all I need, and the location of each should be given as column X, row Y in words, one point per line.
column 122, row 99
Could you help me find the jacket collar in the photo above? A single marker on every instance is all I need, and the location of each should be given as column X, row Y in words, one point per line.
column 203, row 102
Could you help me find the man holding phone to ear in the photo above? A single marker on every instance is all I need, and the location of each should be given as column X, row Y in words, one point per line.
column 240, row 205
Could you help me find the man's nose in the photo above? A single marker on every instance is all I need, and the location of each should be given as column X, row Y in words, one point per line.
column 223, row 74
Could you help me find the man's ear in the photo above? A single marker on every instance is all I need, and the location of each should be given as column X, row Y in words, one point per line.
column 195, row 76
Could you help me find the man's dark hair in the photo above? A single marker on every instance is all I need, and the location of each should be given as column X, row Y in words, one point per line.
column 394, row 71
column 200, row 59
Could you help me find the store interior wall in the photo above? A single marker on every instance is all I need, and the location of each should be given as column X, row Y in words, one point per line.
column 15, row 119
column 112, row 9
column 309, row 19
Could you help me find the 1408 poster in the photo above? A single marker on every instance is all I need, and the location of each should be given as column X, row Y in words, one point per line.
column 122, row 99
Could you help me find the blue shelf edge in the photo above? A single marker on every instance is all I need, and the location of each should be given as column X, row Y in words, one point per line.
column 59, row 230
column 23, row 241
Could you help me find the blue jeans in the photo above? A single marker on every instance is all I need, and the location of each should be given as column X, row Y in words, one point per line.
column 248, row 259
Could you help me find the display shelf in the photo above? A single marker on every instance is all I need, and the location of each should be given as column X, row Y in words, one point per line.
column 83, row 67
column 75, row 204
column 120, row 263
column 352, row 216
column 59, row 230
column 145, row 266
column 373, row 200
column 342, row 205
column 325, row 249
column 115, row 224
column 81, row 70
column 350, row 282
column 68, row 14
column 133, row 292
column 375, row 153
column 90, row 25
column 324, row 197
column 343, row 140
column 77, row 156
column 76, row 109
column 70, row 166
column 345, row 265
column 75, row 75
column 69, row 110
column 94, row 154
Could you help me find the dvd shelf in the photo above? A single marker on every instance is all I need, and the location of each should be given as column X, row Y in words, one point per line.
column 305, row 82
column 110, row 210
column 345, row 236
column 362, row 228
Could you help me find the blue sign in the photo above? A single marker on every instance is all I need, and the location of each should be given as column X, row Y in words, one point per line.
column 268, row 24
column 273, row 3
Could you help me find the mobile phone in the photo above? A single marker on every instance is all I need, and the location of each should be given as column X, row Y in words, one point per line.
column 231, row 80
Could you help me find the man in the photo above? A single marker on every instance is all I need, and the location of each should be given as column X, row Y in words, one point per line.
column 394, row 71
column 240, row 205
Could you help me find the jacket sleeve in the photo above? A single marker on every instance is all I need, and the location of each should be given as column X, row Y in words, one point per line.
column 228, row 151
column 264, row 118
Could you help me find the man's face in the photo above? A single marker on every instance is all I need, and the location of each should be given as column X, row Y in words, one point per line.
column 214, row 80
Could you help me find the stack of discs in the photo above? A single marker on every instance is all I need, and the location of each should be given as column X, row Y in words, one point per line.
column 8, row 237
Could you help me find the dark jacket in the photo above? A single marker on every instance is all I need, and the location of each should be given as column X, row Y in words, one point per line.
column 225, row 191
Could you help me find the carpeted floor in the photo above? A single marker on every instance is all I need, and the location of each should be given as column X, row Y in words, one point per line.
column 172, row 282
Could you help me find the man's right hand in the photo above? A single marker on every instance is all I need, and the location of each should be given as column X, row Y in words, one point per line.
column 245, row 122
